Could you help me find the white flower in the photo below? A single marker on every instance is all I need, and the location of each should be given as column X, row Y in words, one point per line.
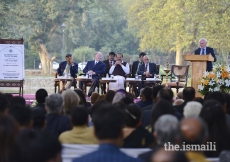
column 206, row 74
column 211, row 83
column 227, row 82
column 218, row 74
column 221, row 81
column 210, row 89
column 217, row 89
column 200, row 87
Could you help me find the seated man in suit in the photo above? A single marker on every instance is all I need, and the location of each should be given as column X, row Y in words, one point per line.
column 94, row 68
column 119, row 70
column 109, row 62
column 204, row 50
column 67, row 68
column 147, row 70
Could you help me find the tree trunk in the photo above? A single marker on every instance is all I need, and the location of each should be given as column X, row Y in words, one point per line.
column 179, row 54
column 45, row 61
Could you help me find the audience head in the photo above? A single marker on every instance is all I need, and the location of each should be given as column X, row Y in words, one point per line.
column 109, row 96
column 199, row 99
column 41, row 95
column 193, row 131
column 108, row 122
column 162, row 107
column 4, row 103
column 119, row 94
column 127, row 100
column 79, row 116
column 82, row 97
column 162, row 155
column 54, row 104
column 8, row 133
column 219, row 97
column 71, row 100
column 192, row 108
column 93, row 97
column 17, row 100
column 156, row 89
column 189, row 94
column 22, row 114
column 37, row 146
column 147, row 94
column 166, row 129
column 97, row 105
column 224, row 156
column 178, row 102
column 227, row 99
column 132, row 116
column 39, row 118
column 101, row 97
column 179, row 95
column 166, row 94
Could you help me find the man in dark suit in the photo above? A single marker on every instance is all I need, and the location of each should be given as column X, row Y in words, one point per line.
column 67, row 68
column 147, row 70
column 204, row 50
column 94, row 68
column 109, row 62
column 136, row 64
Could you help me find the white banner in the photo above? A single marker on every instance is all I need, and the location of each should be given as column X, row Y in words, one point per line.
column 11, row 62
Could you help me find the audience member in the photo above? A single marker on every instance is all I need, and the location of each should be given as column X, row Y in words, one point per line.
column 4, row 104
column 179, row 95
column 71, row 100
column 109, row 96
column 93, row 97
column 37, row 146
column 213, row 114
column 108, row 123
column 56, row 122
column 194, row 132
column 119, row 94
column 135, row 136
column 146, row 98
column 17, row 100
column 199, row 99
column 8, row 133
column 22, row 114
column 101, row 97
column 227, row 99
column 224, row 156
column 127, row 100
column 40, row 96
column 81, row 133
column 119, row 70
column 82, row 98
column 97, row 105
column 39, row 119
column 192, row 109
column 166, row 130
column 178, row 102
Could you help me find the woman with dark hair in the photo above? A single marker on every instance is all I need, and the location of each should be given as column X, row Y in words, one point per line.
column 8, row 133
column 135, row 136
column 162, row 107
column 82, row 98
column 214, row 116
column 109, row 96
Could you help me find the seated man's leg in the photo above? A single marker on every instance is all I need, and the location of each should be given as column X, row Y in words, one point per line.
column 140, row 86
column 93, row 86
column 68, row 84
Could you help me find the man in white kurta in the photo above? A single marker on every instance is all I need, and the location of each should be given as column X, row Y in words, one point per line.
column 119, row 70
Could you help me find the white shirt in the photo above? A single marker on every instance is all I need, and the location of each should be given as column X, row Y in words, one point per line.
column 125, row 68
column 147, row 70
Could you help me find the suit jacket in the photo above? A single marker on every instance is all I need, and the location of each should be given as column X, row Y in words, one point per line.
column 106, row 153
column 209, row 50
column 152, row 69
column 73, row 69
column 107, row 63
column 99, row 68
column 134, row 68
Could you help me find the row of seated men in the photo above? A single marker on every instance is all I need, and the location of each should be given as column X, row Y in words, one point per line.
column 115, row 123
column 117, row 67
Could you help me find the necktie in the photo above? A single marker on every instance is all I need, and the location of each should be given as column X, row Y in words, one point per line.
column 146, row 66
column 111, row 63
column 95, row 64
column 202, row 52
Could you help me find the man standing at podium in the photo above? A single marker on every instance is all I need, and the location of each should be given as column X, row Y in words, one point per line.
column 204, row 50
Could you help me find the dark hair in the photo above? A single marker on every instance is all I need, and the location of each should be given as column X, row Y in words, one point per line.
column 108, row 122
column 227, row 99
column 160, row 108
column 8, row 133
column 79, row 116
column 8, row 96
column 41, row 95
column 36, row 146
column 22, row 114
column 4, row 103
column 127, row 100
column 39, row 117
column 132, row 115
column 82, row 97
column 199, row 99
column 112, row 53
column 109, row 96
column 98, row 104
column 189, row 93
column 156, row 89
column 213, row 114
column 216, row 96
column 166, row 94
column 119, row 54
column 142, row 54
column 17, row 100
column 147, row 92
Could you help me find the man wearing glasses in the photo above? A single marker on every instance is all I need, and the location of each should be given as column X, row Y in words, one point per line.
column 67, row 69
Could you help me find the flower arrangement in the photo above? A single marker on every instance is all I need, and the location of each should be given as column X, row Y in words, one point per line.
column 216, row 80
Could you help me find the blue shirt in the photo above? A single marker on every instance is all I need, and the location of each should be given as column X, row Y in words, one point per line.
column 106, row 153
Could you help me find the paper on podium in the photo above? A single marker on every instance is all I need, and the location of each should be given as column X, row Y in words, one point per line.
column 107, row 79
column 82, row 76
column 62, row 77
column 132, row 79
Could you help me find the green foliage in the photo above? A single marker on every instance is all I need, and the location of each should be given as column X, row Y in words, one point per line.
column 83, row 54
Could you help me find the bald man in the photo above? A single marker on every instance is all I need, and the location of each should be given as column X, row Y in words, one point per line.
column 194, row 132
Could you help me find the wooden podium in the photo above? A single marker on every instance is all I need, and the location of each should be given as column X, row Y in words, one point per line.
column 199, row 63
